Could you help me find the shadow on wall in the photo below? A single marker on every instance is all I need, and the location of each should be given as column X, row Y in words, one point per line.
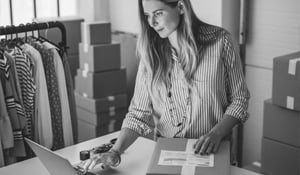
column 128, row 58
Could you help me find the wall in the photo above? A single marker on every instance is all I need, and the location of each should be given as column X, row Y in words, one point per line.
column 223, row 13
column 205, row 12
column 124, row 15
column 94, row 10
column 273, row 30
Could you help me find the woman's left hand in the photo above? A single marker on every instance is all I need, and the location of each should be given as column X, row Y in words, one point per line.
column 208, row 143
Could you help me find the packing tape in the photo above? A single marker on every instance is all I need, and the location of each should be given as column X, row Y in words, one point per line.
column 84, row 37
column 111, row 98
column 111, row 126
column 112, row 111
column 85, row 47
column 189, row 170
column 85, row 70
column 85, row 95
column 290, row 102
column 292, row 66
column 86, row 66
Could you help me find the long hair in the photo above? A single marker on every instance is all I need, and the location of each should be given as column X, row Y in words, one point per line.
column 155, row 52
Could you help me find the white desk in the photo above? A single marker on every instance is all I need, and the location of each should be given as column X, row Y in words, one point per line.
column 134, row 161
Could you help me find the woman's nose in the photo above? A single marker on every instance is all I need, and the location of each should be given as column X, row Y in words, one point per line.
column 153, row 22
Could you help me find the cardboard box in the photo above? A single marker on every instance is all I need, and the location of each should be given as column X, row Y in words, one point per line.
column 279, row 158
column 286, row 81
column 102, row 84
column 101, row 57
column 104, row 104
column 100, row 118
column 98, row 32
column 288, row 121
column 221, row 159
column 88, row 131
column 74, row 64
column 254, row 166
column 73, row 31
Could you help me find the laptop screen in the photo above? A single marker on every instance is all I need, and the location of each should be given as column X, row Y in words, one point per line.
column 54, row 163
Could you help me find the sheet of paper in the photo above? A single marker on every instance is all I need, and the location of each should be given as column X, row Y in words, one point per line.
column 181, row 158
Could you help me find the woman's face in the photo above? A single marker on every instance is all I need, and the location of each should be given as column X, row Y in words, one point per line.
column 161, row 17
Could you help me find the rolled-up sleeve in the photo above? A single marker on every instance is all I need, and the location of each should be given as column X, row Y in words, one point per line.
column 237, row 90
column 139, row 116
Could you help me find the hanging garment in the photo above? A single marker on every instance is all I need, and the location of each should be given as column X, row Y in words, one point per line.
column 71, row 96
column 54, row 99
column 42, row 123
column 6, row 132
column 24, row 67
column 14, row 107
column 63, row 94
column 2, row 163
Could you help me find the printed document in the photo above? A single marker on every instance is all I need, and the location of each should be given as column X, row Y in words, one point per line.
column 182, row 158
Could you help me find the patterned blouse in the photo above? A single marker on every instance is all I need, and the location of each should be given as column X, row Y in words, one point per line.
column 218, row 90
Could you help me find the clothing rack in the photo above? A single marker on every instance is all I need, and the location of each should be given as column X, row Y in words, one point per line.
column 9, row 30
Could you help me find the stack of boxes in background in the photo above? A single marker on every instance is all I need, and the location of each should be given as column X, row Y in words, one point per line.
column 100, row 83
column 281, row 127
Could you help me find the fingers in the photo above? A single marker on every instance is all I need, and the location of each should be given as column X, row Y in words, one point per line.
column 104, row 161
column 209, row 149
column 207, row 144
column 87, row 164
column 197, row 146
column 92, row 165
column 202, row 145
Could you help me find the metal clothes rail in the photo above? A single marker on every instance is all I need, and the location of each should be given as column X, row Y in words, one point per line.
column 9, row 30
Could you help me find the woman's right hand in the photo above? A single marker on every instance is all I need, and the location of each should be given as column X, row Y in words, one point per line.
column 111, row 158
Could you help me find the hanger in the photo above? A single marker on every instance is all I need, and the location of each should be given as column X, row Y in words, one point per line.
column 29, row 38
column 34, row 27
column 19, row 41
column 9, row 42
column 13, row 41
column 44, row 39
column 2, row 48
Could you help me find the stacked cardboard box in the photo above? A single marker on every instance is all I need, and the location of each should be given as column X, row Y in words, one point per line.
column 100, row 82
column 159, row 166
column 281, row 127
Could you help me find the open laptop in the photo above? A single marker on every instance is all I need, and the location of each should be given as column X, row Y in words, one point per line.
column 54, row 163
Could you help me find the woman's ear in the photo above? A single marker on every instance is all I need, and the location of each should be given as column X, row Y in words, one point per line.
column 180, row 7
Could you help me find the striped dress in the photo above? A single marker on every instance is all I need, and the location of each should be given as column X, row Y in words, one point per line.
column 218, row 89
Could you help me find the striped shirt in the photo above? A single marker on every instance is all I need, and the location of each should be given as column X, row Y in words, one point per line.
column 218, row 89
column 24, row 68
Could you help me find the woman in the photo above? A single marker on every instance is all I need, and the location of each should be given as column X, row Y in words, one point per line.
column 189, row 82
